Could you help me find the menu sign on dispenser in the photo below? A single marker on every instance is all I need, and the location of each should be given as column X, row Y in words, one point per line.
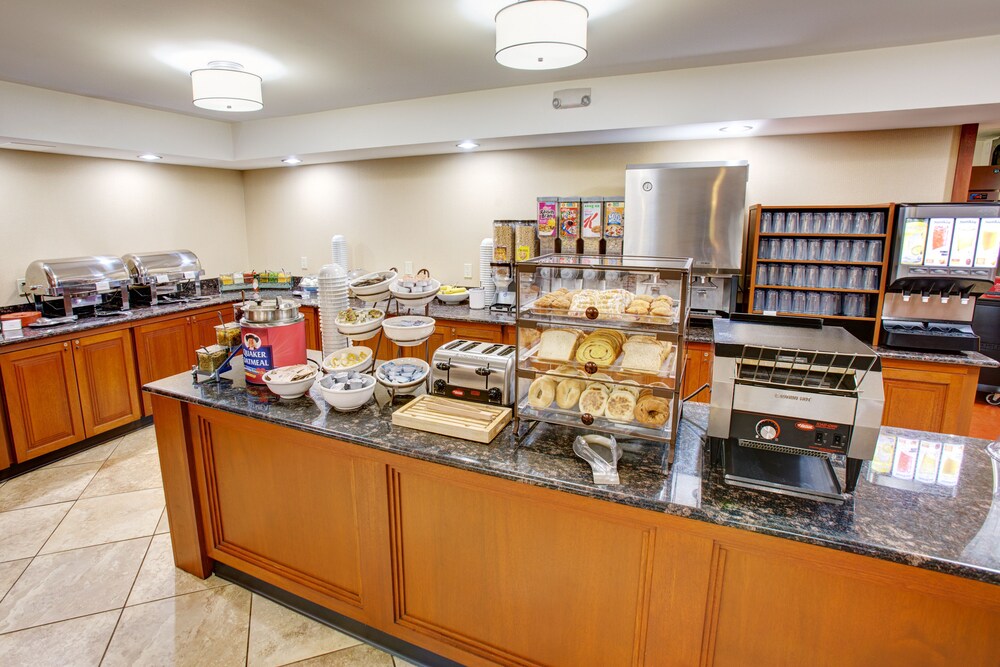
column 914, row 242
column 963, row 243
column 989, row 243
column 939, row 242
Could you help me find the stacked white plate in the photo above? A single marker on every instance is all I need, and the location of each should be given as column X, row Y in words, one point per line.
column 332, row 299
column 485, row 272
column 338, row 251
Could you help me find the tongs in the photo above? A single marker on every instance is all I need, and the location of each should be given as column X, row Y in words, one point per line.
column 602, row 453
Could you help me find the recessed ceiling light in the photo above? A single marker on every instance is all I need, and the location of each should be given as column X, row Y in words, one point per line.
column 736, row 129
column 468, row 145
column 292, row 160
column 150, row 156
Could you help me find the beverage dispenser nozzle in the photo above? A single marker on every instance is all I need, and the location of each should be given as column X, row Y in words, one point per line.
column 906, row 295
column 925, row 296
column 964, row 295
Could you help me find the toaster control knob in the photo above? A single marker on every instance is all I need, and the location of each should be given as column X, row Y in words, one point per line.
column 439, row 386
column 767, row 429
column 442, row 365
column 482, row 371
column 495, row 394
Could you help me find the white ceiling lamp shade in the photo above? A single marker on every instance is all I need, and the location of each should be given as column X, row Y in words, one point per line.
column 541, row 34
column 225, row 86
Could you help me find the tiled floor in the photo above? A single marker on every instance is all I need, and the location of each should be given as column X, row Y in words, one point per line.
column 985, row 419
column 87, row 578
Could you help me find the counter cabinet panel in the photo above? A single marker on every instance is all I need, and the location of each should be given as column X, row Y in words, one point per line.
column 163, row 348
column 109, row 393
column 929, row 396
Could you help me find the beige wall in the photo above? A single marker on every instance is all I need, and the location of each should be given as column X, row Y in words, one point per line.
column 435, row 210
column 63, row 206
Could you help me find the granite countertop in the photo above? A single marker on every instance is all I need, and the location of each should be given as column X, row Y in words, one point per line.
column 946, row 529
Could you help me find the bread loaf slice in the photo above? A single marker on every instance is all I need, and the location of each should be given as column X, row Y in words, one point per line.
column 558, row 345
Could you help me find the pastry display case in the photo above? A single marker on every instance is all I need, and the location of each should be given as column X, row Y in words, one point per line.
column 600, row 344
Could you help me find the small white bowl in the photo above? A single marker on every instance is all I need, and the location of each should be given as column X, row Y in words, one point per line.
column 358, row 330
column 374, row 298
column 453, row 298
column 398, row 334
column 349, row 400
column 290, row 390
column 377, row 288
column 355, row 349
column 411, row 300
column 404, row 387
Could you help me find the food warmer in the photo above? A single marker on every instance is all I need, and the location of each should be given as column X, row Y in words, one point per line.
column 787, row 394
column 600, row 344
column 164, row 272
column 98, row 281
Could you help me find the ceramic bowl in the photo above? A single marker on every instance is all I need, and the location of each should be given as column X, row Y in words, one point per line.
column 348, row 400
column 401, row 335
column 365, row 364
column 404, row 387
column 289, row 390
column 376, row 288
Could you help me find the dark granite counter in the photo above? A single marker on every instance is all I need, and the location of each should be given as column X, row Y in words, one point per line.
column 946, row 529
column 957, row 358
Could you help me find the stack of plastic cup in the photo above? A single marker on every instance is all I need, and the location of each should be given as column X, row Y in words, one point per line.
column 332, row 299
column 486, row 272
column 338, row 252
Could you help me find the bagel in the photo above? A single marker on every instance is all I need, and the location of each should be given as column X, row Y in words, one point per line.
column 568, row 393
column 542, row 392
column 651, row 411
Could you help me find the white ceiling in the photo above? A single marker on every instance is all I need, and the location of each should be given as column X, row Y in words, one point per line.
column 317, row 55
column 326, row 55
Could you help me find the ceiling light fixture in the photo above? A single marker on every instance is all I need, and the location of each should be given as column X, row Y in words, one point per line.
column 734, row 129
column 541, row 34
column 224, row 86
column 292, row 160
column 467, row 145
column 150, row 156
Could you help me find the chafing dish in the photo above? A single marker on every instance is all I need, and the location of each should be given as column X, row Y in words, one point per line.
column 77, row 281
column 787, row 393
column 164, row 272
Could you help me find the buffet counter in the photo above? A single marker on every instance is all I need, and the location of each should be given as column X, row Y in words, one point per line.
column 475, row 552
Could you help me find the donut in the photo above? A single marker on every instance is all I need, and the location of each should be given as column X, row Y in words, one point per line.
column 652, row 411
column 541, row 392
column 568, row 393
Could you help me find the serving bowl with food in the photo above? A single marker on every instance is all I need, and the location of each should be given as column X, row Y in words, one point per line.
column 452, row 294
column 291, row 381
column 372, row 283
column 408, row 330
column 347, row 391
column 402, row 375
column 353, row 358
column 359, row 323
column 415, row 291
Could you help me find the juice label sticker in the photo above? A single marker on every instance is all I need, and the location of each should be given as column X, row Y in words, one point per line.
column 963, row 242
column 547, row 218
column 614, row 220
column 989, row 243
column 882, row 462
column 951, row 464
column 914, row 241
column 905, row 462
column 927, row 461
column 591, row 226
column 569, row 219
column 939, row 242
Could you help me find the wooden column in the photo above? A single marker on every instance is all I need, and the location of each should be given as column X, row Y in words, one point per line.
column 963, row 163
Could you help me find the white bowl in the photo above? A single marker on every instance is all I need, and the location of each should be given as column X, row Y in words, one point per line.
column 377, row 288
column 404, row 387
column 399, row 334
column 349, row 400
column 359, row 366
column 290, row 389
column 453, row 298
column 411, row 300
column 356, row 330
column 374, row 298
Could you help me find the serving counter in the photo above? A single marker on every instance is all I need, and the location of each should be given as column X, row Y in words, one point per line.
column 497, row 554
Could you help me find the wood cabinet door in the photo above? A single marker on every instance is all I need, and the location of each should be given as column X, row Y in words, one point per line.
column 43, row 403
column 6, row 451
column 163, row 349
column 314, row 338
column 698, row 359
column 928, row 397
column 490, row 333
column 107, row 381
column 203, row 327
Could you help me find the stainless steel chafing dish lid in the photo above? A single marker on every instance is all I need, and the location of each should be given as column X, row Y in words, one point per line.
column 76, row 274
column 167, row 266
column 270, row 311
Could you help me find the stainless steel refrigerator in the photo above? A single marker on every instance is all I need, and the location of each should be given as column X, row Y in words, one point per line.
column 696, row 210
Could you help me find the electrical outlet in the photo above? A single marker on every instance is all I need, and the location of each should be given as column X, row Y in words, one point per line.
column 408, row 268
column 303, row 262
column 20, row 286
column 467, row 271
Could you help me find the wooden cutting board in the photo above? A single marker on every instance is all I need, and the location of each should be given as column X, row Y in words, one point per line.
column 446, row 416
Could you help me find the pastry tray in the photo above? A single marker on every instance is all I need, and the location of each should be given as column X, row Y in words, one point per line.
column 556, row 415
column 625, row 321
column 666, row 374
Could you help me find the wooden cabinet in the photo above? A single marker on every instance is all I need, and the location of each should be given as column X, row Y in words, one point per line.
column 106, row 377
column 203, row 326
column 698, row 359
column 314, row 337
column 928, row 396
column 163, row 349
column 484, row 571
column 6, row 451
column 61, row 393
column 445, row 332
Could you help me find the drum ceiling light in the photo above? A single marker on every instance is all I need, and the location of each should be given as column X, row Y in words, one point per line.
column 541, row 34
column 225, row 86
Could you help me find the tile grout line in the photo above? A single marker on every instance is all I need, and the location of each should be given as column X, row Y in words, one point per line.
column 246, row 658
column 100, row 544
column 62, row 620
column 121, row 610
